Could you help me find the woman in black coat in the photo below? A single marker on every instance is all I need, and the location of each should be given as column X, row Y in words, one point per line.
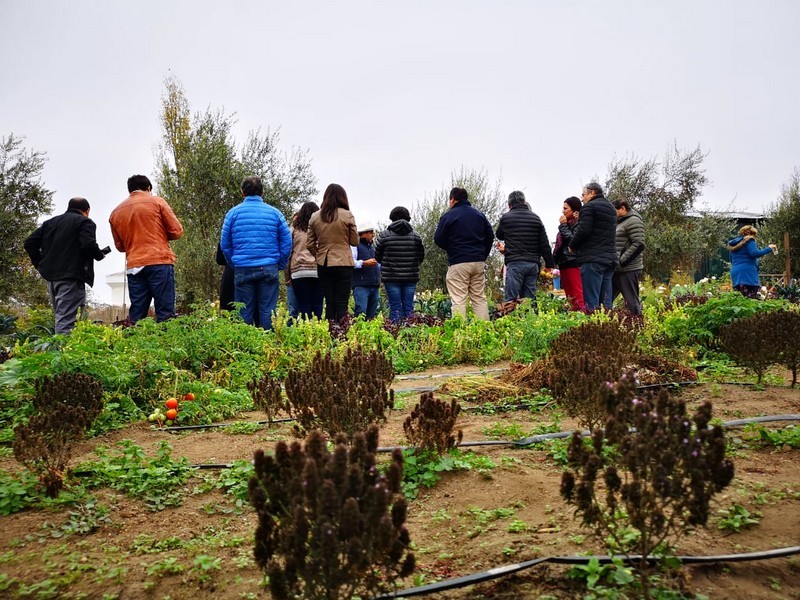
column 400, row 252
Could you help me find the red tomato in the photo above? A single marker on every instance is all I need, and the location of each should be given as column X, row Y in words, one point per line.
column 171, row 403
column 189, row 396
column 172, row 414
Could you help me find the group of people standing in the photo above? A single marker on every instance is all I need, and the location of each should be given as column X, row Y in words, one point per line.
column 598, row 250
column 327, row 257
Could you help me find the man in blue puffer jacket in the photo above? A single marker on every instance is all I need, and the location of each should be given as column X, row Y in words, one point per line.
column 257, row 242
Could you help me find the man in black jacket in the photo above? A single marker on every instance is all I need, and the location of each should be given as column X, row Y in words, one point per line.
column 525, row 244
column 63, row 249
column 466, row 235
column 594, row 242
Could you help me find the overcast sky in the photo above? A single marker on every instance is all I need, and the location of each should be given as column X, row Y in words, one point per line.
column 390, row 97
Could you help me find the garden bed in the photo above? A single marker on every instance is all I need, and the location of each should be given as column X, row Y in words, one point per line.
column 501, row 506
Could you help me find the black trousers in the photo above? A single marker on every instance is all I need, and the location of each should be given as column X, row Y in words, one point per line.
column 627, row 284
column 336, row 285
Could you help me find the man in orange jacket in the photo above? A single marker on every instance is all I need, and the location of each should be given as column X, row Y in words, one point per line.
column 143, row 226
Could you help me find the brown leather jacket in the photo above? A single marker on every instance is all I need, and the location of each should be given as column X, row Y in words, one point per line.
column 142, row 227
column 330, row 242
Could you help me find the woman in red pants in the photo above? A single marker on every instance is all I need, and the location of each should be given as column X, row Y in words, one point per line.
column 570, row 269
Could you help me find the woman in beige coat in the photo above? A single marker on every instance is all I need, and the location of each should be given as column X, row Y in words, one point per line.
column 331, row 232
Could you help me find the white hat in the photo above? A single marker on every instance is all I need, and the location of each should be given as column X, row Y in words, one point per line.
column 368, row 227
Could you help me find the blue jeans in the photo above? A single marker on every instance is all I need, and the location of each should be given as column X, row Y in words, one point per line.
column 308, row 296
column 596, row 280
column 258, row 288
column 401, row 299
column 291, row 302
column 153, row 283
column 366, row 300
column 521, row 279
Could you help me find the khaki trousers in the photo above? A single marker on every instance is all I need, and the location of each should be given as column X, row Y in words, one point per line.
column 468, row 281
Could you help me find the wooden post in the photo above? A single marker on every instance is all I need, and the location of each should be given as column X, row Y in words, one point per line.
column 787, row 274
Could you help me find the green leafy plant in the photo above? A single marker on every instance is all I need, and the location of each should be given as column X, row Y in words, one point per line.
column 341, row 396
column 513, row 431
column 666, row 469
column 157, row 481
column 235, row 481
column 65, row 407
column 330, row 524
column 789, row 436
column 171, row 565
column 596, row 576
column 736, row 518
column 84, row 519
column 430, row 425
column 17, row 491
column 423, row 469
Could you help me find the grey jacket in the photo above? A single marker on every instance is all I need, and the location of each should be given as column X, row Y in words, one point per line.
column 630, row 242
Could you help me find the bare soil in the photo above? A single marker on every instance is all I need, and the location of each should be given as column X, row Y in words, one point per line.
column 444, row 521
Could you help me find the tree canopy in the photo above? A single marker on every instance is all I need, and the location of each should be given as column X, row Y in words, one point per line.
column 200, row 169
column 23, row 201
column 665, row 193
column 783, row 216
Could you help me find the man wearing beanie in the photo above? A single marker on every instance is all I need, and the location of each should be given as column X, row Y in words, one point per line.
column 465, row 234
column 525, row 245
column 63, row 250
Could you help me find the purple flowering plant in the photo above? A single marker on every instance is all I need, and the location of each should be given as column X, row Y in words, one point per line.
column 659, row 479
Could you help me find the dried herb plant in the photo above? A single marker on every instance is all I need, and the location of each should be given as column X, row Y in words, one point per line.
column 787, row 340
column 582, row 360
column 344, row 395
column 431, row 423
column 267, row 396
column 65, row 407
column 752, row 342
column 665, row 469
column 330, row 524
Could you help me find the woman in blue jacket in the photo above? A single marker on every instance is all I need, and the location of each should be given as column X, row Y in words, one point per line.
column 744, row 260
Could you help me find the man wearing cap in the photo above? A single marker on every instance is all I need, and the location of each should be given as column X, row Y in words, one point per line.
column 367, row 274
column 63, row 249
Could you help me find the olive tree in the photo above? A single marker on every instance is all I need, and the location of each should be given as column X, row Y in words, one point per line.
column 665, row 193
column 783, row 216
column 23, row 201
column 200, row 169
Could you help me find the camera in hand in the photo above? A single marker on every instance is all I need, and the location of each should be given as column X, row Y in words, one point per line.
column 106, row 250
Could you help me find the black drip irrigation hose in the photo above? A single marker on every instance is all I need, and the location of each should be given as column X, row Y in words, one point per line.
column 673, row 384
column 497, row 572
column 180, row 428
column 535, row 439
